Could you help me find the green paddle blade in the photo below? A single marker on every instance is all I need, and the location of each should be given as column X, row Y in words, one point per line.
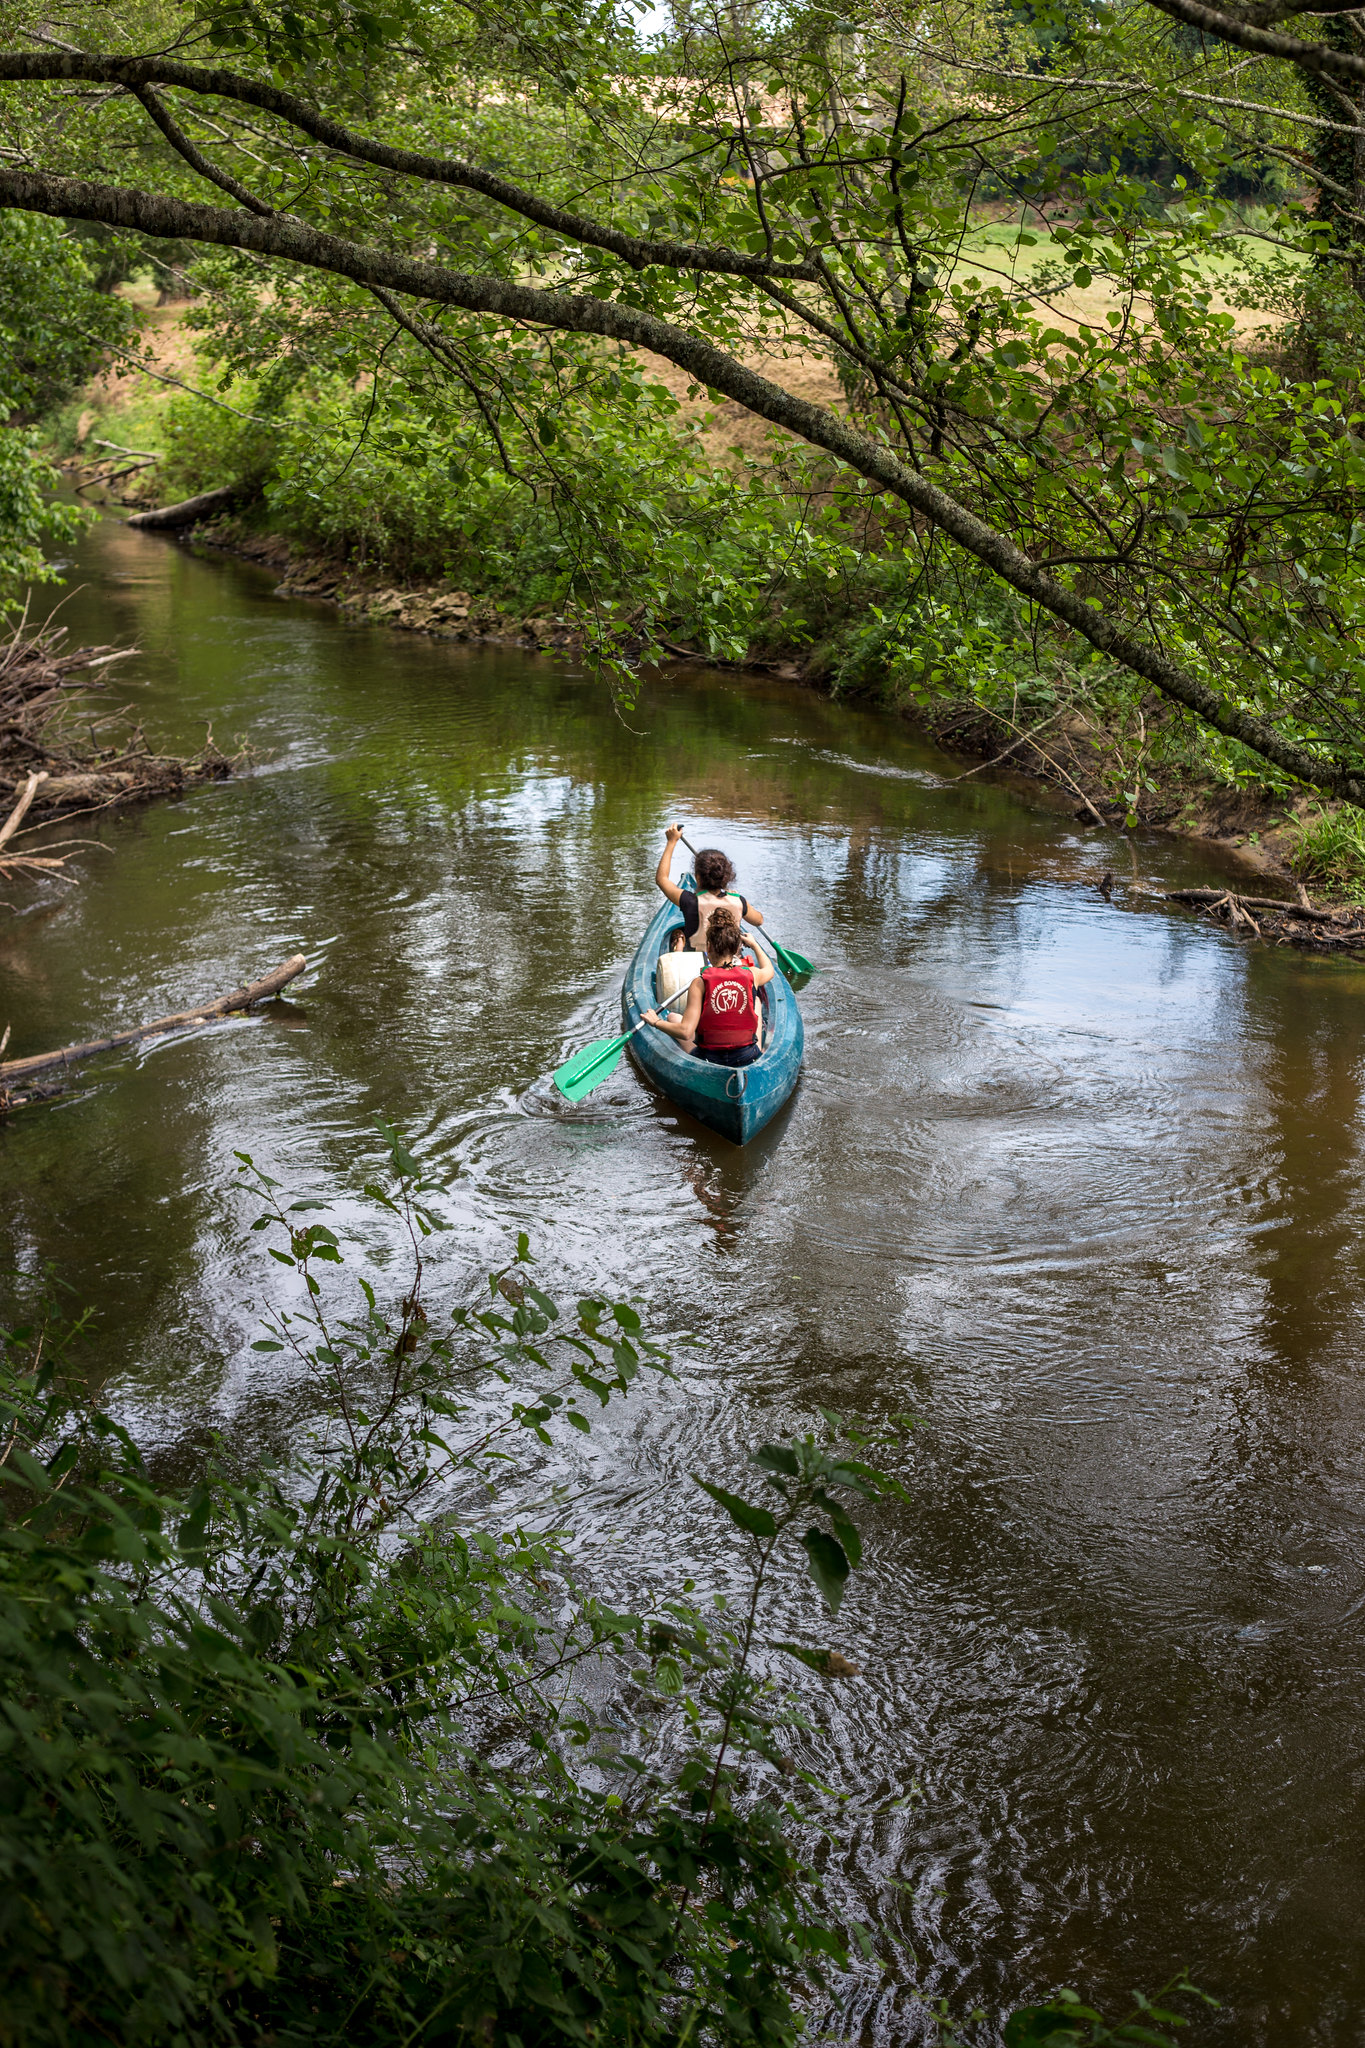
column 580, row 1075
column 791, row 963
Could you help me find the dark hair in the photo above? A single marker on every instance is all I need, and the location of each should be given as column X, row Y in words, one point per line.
column 671, row 945
column 722, row 931
column 714, row 871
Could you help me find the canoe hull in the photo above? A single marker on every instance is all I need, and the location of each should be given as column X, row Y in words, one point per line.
column 735, row 1101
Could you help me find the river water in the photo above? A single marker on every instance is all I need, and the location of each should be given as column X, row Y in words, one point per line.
column 1077, row 1182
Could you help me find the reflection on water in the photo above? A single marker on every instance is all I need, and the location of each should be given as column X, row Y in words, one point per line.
column 1078, row 1182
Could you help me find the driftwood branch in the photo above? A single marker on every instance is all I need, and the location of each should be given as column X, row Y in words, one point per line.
column 1295, row 924
column 16, row 816
column 1280, row 903
column 221, row 1006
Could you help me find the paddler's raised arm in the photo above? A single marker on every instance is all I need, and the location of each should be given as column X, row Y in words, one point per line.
column 661, row 873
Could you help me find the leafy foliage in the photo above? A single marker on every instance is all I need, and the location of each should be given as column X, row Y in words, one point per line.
column 53, row 327
column 1065, row 391
column 305, row 1753
column 30, row 521
column 1066, row 2021
column 246, row 1782
column 1330, row 850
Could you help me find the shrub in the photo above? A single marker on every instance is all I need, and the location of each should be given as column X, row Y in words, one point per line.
column 1330, row 850
column 300, row 1756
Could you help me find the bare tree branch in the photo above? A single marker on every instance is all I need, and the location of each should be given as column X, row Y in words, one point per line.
column 1140, row 88
column 195, row 158
column 1320, row 58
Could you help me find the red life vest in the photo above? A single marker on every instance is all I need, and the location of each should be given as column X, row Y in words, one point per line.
column 729, row 1009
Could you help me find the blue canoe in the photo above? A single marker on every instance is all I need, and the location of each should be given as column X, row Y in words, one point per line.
column 736, row 1101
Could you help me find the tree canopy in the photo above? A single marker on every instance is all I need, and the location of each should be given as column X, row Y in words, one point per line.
column 1038, row 245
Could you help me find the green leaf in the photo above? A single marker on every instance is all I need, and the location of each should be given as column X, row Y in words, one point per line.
column 754, row 1521
column 29, row 1470
column 1040, row 2026
column 777, row 1458
column 829, row 1663
column 843, row 1528
column 829, row 1566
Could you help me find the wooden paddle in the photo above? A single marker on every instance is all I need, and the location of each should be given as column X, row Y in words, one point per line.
column 792, row 964
column 580, row 1075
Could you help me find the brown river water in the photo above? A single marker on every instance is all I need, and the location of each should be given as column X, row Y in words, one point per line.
column 1078, row 1183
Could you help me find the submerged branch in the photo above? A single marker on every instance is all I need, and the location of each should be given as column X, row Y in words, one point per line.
column 220, row 1006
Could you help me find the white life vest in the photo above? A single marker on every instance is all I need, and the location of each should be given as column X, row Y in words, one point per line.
column 676, row 970
column 705, row 905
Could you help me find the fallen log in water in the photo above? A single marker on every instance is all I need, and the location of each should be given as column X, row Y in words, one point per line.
column 133, row 778
column 169, row 518
column 1284, row 923
column 221, row 1006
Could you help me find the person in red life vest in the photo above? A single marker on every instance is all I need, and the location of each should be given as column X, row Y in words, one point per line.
column 714, row 872
column 720, row 1017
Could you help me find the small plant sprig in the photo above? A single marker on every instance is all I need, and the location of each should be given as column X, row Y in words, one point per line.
column 1067, row 2022
column 395, row 1386
column 728, row 1844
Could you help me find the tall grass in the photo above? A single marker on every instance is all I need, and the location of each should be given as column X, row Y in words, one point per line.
column 1330, row 851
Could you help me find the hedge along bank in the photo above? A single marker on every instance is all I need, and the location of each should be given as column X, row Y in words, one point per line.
column 802, row 585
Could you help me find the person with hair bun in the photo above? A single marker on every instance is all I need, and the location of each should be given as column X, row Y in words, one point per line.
column 721, row 1016
column 715, row 874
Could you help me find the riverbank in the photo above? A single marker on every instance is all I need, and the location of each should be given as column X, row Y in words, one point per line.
column 372, row 598
column 1074, row 756
column 385, row 537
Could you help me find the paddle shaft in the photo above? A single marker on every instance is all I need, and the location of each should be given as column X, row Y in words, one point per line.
column 664, row 1005
column 590, row 1067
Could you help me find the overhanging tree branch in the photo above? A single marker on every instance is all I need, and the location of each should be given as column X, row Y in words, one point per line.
column 195, row 158
column 502, row 299
column 1320, row 58
column 138, row 73
column 1142, row 88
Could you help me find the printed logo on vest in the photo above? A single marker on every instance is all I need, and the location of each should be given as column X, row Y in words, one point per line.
column 729, row 996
